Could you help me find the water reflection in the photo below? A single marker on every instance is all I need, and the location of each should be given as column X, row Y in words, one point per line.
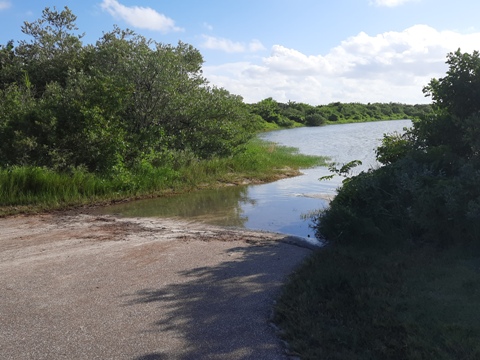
column 218, row 207
column 259, row 207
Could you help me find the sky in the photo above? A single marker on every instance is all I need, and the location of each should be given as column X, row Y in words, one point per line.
column 310, row 51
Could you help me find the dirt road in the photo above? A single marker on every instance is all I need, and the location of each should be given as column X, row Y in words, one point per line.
column 81, row 286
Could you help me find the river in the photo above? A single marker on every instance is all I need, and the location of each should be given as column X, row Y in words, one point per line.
column 283, row 206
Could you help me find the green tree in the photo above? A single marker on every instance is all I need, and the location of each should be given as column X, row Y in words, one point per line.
column 314, row 119
column 456, row 100
column 54, row 49
column 268, row 109
column 112, row 105
column 458, row 92
column 10, row 65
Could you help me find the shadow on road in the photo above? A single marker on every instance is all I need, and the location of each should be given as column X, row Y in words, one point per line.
column 222, row 312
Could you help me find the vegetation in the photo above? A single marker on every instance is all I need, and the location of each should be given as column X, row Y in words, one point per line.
column 30, row 189
column 299, row 114
column 399, row 277
column 122, row 118
column 427, row 191
column 351, row 303
column 112, row 106
column 128, row 116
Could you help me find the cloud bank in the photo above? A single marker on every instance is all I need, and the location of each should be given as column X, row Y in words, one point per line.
column 140, row 17
column 387, row 67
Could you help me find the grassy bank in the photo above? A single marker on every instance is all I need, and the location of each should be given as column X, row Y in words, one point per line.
column 31, row 189
column 352, row 303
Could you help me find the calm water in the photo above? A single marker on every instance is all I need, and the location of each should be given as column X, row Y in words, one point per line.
column 285, row 205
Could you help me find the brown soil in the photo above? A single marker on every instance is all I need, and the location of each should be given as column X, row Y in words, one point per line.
column 79, row 286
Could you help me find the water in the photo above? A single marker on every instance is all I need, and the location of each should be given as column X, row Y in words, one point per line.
column 283, row 206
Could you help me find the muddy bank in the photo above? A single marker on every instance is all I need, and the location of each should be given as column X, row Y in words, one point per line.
column 100, row 287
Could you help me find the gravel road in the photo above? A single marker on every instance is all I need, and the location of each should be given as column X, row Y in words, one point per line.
column 79, row 286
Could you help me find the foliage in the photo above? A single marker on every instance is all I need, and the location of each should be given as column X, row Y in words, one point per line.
column 269, row 110
column 28, row 188
column 398, row 276
column 288, row 114
column 110, row 106
column 394, row 147
column 458, row 92
column 344, row 171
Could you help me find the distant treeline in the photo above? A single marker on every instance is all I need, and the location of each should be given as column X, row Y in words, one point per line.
column 293, row 113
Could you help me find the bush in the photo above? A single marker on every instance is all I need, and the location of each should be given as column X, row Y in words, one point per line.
column 314, row 120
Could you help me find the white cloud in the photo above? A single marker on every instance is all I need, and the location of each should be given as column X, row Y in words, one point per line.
column 140, row 17
column 255, row 45
column 389, row 3
column 393, row 66
column 5, row 5
column 229, row 46
column 207, row 26
column 290, row 61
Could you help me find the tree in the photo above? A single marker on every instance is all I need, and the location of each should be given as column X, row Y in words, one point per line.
column 111, row 105
column 314, row 119
column 10, row 66
column 53, row 50
column 456, row 99
column 459, row 91
column 268, row 109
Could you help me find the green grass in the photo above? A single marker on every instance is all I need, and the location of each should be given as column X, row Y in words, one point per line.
column 349, row 303
column 33, row 189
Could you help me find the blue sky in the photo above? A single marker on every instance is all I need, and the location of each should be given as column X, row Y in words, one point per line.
column 312, row 51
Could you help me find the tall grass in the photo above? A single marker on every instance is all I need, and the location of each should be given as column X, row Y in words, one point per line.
column 35, row 188
column 36, row 185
